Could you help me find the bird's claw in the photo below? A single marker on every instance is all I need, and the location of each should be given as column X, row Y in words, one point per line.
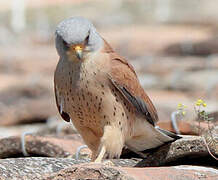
column 108, row 163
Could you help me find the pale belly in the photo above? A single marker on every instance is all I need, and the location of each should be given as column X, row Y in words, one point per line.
column 91, row 102
column 95, row 106
column 86, row 109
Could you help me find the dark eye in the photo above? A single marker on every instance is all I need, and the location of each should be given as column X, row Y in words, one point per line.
column 87, row 40
column 65, row 44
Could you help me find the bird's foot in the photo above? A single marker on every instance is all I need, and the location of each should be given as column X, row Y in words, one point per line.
column 108, row 163
column 100, row 155
column 105, row 162
column 70, row 156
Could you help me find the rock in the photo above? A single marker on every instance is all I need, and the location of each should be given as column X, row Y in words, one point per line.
column 53, row 126
column 56, row 168
column 26, row 104
column 150, row 81
column 203, row 48
column 187, row 127
column 90, row 171
column 27, row 111
column 194, row 81
column 43, row 168
column 49, row 146
column 57, row 126
column 165, row 65
column 33, row 167
column 188, row 146
column 172, row 173
column 7, row 131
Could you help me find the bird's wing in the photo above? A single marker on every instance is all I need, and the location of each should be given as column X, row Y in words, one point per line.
column 124, row 78
column 59, row 101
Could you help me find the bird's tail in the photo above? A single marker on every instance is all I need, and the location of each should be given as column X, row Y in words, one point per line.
column 168, row 133
column 151, row 138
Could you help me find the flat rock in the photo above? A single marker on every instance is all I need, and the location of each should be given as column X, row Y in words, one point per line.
column 53, row 126
column 33, row 167
column 182, row 172
column 203, row 48
column 65, row 146
column 185, row 127
column 48, row 146
column 26, row 103
column 186, row 147
column 43, row 168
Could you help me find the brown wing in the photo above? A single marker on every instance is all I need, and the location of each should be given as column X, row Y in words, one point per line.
column 124, row 78
column 63, row 114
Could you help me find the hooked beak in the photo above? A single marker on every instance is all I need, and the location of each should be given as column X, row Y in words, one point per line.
column 79, row 52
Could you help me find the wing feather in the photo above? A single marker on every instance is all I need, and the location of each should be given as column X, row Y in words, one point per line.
column 59, row 104
column 124, row 78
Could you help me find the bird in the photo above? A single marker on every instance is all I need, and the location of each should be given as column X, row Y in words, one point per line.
column 99, row 92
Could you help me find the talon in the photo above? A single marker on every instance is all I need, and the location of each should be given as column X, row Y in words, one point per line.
column 108, row 163
column 107, row 155
column 117, row 156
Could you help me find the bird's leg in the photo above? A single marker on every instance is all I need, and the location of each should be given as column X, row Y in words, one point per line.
column 100, row 155
column 111, row 143
column 91, row 140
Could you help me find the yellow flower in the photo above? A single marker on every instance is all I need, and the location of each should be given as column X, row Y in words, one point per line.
column 204, row 104
column 183, row 113
column 200, row 101
column 197, row 104
column 179, row 105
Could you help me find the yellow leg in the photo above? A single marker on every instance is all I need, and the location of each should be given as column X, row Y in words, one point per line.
column 111, row 143
column 100, row 155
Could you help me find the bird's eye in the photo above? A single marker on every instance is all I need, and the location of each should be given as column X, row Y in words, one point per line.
column 86, row 40
column 65, row 44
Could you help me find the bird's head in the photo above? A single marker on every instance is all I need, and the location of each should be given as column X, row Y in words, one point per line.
column 77, row 38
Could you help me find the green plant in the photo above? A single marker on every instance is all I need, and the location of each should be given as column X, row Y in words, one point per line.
column 204, row 116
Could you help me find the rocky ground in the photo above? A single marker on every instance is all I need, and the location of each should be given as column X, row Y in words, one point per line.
column 175, row 64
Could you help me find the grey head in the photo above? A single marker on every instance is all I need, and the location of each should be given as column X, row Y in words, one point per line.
column 77, row 31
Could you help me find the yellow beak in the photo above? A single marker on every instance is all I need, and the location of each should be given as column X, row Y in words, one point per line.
column 79, row 52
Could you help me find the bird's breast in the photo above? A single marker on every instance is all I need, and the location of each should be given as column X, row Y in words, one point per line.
column 83, row 89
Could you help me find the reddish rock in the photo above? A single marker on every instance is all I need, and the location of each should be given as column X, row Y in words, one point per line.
column 41, row 146
column 203, row 48
column 98, row 171
column 172, row 173
column 193, row 127
column 26, row 103
column 64, row 169
column 185, row 127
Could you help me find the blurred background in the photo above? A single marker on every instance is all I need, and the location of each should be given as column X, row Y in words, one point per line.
column 173, row 46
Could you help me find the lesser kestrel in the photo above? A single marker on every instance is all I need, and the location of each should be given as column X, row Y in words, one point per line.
column 99, row 91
